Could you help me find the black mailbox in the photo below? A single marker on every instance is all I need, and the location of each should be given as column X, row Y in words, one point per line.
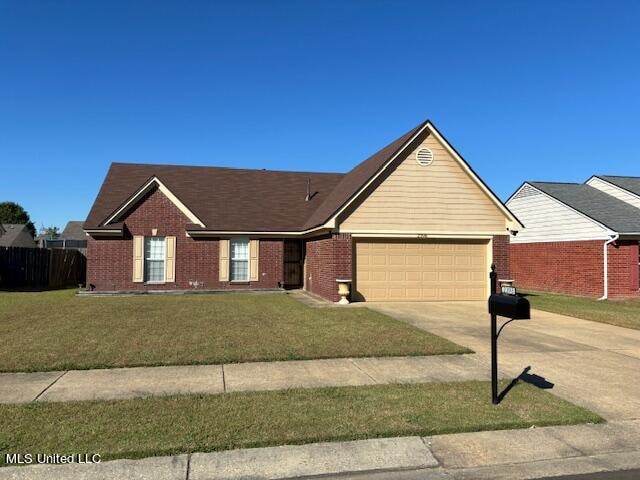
column 509, row 306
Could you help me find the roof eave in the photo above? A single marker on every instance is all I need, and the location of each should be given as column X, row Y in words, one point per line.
column 201, row 232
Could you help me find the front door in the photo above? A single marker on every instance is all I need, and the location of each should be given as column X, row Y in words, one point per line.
column 293, row 262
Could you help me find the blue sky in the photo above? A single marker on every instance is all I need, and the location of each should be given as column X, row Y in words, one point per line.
column 538, row 90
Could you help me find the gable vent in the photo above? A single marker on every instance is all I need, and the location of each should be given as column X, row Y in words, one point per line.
column 424, row 157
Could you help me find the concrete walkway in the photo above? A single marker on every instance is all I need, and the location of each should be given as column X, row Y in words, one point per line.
column 592, row 364
column 120, row 383
column 507, row 454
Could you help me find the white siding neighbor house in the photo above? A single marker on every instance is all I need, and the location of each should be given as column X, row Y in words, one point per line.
column 579, row 239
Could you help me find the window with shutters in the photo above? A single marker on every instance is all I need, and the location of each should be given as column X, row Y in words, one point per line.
column 154, row 258
column 239, row 260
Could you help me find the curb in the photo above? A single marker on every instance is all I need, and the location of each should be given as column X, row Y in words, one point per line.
column 271, row 463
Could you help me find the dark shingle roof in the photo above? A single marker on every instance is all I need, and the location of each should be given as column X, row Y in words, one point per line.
column 222, row 198
column 615, row 214
column 631, row 184
column 15, row 235
column 229, row 199
column 73, row 231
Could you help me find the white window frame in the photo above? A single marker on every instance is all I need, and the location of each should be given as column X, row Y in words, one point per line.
column 232, row 259
column 145, row 259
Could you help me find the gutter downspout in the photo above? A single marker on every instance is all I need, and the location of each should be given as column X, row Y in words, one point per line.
column 606, row 265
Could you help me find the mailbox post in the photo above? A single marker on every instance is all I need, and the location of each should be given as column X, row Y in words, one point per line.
column 494, row 338
column 510, row 306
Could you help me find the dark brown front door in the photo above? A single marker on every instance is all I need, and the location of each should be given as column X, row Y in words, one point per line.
column 293, row 260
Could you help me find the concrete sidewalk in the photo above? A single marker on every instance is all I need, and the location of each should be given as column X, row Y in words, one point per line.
column 120, row 383
column 506, row 454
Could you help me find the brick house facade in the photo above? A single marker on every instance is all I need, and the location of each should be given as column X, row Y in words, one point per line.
column 561, row 249
column 109, row 260
column 163, row 227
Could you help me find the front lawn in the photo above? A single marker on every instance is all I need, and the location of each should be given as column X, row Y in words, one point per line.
column 623, row 313
column 58, row 331
column 150, row 426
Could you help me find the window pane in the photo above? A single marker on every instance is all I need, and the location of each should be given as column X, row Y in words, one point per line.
column 154, row 254
column 154, row 270
column 240, row 249
column 239, row 265
column 154, row 248
column 239, row 270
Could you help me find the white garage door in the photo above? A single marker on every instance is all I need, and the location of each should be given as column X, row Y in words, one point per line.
column 421, row 270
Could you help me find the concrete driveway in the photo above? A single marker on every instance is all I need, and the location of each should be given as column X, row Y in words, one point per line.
column 591, row 364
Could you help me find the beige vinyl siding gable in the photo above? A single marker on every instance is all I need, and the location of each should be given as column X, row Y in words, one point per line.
column 440, row 197
column 548, row 220
column 614, row 191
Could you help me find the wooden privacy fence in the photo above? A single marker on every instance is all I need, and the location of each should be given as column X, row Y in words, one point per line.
column 34, row 268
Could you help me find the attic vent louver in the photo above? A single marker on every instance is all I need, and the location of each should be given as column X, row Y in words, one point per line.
column 424, row 157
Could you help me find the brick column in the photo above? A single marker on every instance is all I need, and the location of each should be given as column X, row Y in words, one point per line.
column 328, row 258
column 501, row 257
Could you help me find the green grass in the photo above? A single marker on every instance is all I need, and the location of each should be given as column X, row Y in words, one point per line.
column 57, row 331
column 170, row 425
column 623, row 313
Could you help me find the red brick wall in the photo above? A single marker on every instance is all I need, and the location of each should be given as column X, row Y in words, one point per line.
column 623, row 269
column 574, row 268
column 328, row 258
column 501, row 257
column 110, row 260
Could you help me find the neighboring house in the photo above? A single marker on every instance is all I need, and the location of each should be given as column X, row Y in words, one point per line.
column 16, row 235
column 412, row 222
column 71, row 238
column 580, row 239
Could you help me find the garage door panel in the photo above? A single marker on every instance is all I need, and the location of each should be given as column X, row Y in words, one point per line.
column 413, row 276
column 478, row 276
column 430, row 259
column 413, row 259
column 429, row 270
column 463, row 260
column 478, row 262
column 445, row 260
column 446, row 276
column 397, row 276
column 378, row 260
column 430, row 276
column 396, row 260
column 463, row 276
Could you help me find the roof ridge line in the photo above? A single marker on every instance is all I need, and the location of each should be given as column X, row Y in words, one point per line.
column 236, row 169
column 555, row 183
column 618, row 176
